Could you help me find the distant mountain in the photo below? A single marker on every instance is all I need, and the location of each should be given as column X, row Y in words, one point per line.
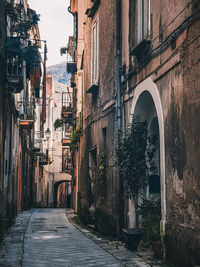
column 60, row 87
column 59, row 73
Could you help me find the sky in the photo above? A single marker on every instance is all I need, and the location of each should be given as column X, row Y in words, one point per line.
column 55, row 26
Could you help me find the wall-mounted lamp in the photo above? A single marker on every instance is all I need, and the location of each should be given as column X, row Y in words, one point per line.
column 123, row 75
column 47, row 133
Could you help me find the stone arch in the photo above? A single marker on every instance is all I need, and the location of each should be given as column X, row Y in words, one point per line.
column 147, row 91
column 56, row 185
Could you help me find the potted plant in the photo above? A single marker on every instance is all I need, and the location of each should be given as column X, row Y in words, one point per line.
column 150, row 211
column 135, row 161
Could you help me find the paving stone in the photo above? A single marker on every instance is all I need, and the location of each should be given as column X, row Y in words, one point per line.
column 47, row 238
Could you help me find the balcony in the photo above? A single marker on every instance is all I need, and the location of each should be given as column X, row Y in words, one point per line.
column 66, row 160
column 13, row 46
column 26, row 124
column 15, row 80
column 67, row 112
column 44, row 158
column 43, row 162
column 26, row 110
column 71, row 67
column 35, row 150
column 67, row 130
column 15, row 83
column 66, row 142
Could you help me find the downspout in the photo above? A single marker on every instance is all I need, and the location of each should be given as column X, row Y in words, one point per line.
column 74, row 127
column 119, row 114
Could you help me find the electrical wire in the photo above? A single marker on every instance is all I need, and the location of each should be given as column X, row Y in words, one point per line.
column 172, row 21
column 143, row 62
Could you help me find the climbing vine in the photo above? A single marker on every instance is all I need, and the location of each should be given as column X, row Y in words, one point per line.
column 75, row 139
column 102, row 173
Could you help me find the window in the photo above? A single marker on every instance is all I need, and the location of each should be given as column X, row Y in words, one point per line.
column 143, row 20
column 66, row 160
column 140, row 19
column 95, row 52
column 154, row 184
column 76, row 29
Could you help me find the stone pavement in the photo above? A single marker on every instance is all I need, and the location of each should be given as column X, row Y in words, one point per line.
column 46, row 238
column 117, row 248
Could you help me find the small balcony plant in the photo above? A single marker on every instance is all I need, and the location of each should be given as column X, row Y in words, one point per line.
column 58, row 123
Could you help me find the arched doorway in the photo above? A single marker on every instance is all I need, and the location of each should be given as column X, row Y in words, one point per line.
column 146, row 103
column 62, row 194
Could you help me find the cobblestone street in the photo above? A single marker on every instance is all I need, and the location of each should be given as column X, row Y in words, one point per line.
column 46, row 237
column 51, row 240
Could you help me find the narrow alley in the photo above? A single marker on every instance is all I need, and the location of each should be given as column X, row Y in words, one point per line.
column 51, row 240
column 99, row 133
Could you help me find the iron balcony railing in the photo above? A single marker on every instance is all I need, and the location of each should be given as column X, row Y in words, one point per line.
column 15, row 79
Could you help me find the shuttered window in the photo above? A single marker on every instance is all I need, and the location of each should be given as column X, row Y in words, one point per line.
column 95, row 52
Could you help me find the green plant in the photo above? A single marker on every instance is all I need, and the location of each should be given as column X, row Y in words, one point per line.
column 102, row 173
column 63, row 50
column 104, row 223
column 83, row 215
column 18, row 24
column 58, row 123
column 150, row 210
column 135, row 159
column 75, row 139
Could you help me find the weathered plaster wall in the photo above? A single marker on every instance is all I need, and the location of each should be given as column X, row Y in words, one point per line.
column 183, row 182
column 175, row 72
column 99, row 113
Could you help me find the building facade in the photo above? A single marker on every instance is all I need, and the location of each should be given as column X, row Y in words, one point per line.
column 19, row 54
column 52, row 138
column 146, row 64
column 159, row 67
column 96, row 62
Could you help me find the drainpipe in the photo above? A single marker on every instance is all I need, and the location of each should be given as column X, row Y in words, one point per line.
column 118, row 59
column 119, row 115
